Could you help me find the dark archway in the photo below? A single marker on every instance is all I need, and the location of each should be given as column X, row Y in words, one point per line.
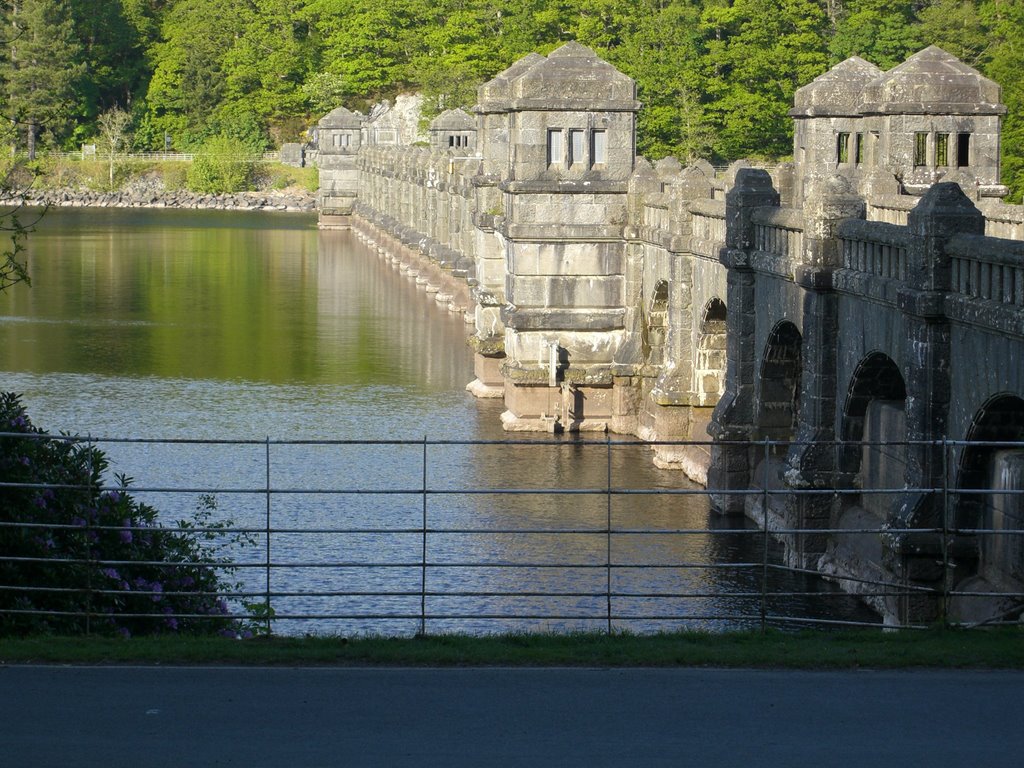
column 877, row 384
column 778, row 399
column 711, row 344
column 873, row 453
column 656, row 325
column 986, row 564
column 990, row 463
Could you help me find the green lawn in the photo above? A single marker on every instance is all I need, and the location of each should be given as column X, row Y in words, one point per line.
column 1002, row 648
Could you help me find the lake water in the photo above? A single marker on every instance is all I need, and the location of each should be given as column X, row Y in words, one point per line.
column 221, row 326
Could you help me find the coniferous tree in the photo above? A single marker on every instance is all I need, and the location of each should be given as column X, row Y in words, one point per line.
column 43, row 68
column 881, row 31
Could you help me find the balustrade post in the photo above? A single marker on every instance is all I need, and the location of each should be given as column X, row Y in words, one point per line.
column 943, row 212
column 810, row 459
column 732, row 423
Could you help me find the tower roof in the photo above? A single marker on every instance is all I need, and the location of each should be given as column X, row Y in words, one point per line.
column 570, row 77
column 933, row 82
column 453, row 120
column 840, row 91
column 341, row 118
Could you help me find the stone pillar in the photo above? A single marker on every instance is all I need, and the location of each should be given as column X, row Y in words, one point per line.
column 811, row 459
column 680, row 410
column 943, row 212
column 733, row 419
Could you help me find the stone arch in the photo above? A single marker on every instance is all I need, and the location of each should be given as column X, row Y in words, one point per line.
column 877, row 386
column 778, row 401
column 656, row 324
column 711, row 343
column 993, row 562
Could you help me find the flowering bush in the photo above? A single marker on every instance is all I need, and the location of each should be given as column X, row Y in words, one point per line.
column 75, row 558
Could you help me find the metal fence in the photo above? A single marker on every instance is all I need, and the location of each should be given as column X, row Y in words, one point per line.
column 180, row 157
column 339, row 558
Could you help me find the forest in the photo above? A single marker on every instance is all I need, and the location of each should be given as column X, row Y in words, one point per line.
column 716, row 77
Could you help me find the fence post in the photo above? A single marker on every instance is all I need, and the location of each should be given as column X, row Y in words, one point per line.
column 423, row 552
column 608, row 531
column 88, row 540
column 945, row 533
column 764, row 537
column 266, row 603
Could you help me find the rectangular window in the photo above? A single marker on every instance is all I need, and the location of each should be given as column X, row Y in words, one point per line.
column 345, row 139
column 858, row 148
column 556, row 152
column 577, row 150
column 598, row 147
column 843, row 148
column 451, row 141
column 942, row 149
column 920, row 149
column 963, row 150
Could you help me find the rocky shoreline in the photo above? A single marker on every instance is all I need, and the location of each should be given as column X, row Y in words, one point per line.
column 288, row 200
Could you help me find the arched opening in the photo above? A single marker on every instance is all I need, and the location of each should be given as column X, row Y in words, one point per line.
column 872, row 463
column 873, row 454
column 710, row 369
column 654, row 329
column 991, row 474
column 778, row 401
column 776, row 416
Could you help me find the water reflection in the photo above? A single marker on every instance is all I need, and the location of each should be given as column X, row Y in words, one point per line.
column 228, row 326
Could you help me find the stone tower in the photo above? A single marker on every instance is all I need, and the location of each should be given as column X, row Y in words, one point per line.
column 557, row 136
column 930, row 119
column 453, row 129
column 339, row 139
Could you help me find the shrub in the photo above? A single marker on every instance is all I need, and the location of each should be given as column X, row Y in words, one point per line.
column 68, row 549
column 175, row 176
column 277, row 176
column 222, row 165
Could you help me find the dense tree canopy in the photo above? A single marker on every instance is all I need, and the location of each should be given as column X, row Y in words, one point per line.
column 716, row 76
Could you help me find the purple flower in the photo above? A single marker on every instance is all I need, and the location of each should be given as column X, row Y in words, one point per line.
column 158, row 588
column 172, row 623
column 25, row 461
column 110, row 573
column 123, row 632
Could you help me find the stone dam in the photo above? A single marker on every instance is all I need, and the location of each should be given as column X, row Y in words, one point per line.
column 844, row 332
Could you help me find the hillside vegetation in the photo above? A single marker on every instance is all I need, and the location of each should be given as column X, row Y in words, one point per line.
column 716, row 76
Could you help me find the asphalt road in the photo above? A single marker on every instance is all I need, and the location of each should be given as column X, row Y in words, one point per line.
column 221, row 716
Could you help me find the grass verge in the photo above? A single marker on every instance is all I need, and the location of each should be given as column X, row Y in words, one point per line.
column 995, row 649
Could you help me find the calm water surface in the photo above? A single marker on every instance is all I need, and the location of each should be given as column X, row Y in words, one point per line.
column 243, row 326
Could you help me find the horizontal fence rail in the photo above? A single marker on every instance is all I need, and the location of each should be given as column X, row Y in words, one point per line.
column 158, row 157
column 430, row 547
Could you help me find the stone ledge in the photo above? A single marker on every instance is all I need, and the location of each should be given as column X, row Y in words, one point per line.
column 527, row 319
